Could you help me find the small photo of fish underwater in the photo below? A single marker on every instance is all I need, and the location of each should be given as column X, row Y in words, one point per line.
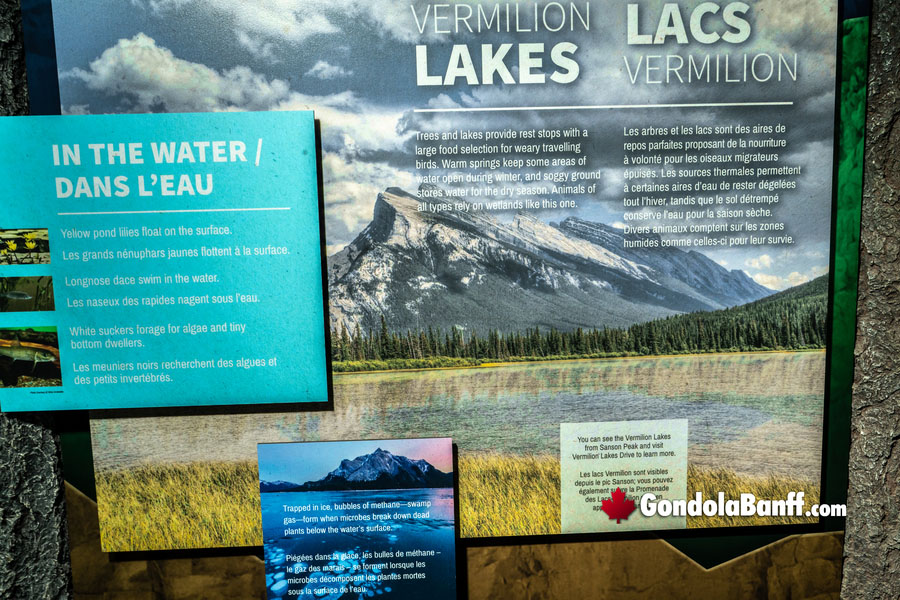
column 29, row 357
column 26, row 294
column 24, row 247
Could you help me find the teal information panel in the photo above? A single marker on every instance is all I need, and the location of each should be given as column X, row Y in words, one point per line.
column 160, row 260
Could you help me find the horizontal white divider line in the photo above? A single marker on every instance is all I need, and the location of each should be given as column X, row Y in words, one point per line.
column 159, row 212
column 601, row 107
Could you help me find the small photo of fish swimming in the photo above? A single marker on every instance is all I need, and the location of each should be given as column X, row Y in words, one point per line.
column 26, row 294
column 29, row 357
column 24, row 247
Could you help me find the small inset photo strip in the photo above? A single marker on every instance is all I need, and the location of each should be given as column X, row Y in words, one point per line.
column 24, row 247
column 26, row 294
column 29, row 357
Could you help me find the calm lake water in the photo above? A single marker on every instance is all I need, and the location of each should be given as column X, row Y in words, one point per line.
column 396, row 531
column 517, row 409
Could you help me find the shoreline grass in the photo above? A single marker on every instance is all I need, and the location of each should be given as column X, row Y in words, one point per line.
column 216, row 504
column 502, row 495
column 172, row 506
column 402, row 365
column 710, row 482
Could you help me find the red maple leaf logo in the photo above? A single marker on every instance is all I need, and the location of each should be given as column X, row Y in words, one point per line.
column 618, row 508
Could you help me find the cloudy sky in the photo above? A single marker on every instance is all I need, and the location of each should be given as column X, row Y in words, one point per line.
column 353, row 61
column 311, row 461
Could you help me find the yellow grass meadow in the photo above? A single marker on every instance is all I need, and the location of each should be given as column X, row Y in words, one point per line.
column 216, row 504
column 194, row 505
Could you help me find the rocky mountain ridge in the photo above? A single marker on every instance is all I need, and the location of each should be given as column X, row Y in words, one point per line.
column 380, row 470
column 472, row 271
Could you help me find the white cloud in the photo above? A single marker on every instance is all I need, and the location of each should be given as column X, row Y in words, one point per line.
column 792, row 18
column 349, row 125
column 292, row 20
column 722, row 262
column 442, row 101
column 351, row 188
column 76, row 109
column 325, row 70
column 796, row 278
column 762, row 262
column 153, row 78
column 773, row 282
column 258, row 48
column 777, row 282
column 297, row 20
column 619, row 225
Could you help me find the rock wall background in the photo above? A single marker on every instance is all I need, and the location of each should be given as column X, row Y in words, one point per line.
column 872, row 551
column 34, row 552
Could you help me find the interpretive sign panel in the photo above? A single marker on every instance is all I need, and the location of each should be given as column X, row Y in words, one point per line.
column 601, row 460
column 588, row 211
column 348, row 520
column 184, row 255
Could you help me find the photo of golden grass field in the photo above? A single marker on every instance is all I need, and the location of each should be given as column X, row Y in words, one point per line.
column 198, row 505
column 528, row 488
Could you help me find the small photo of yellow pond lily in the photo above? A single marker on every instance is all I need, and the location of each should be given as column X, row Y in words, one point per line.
column 24, row 247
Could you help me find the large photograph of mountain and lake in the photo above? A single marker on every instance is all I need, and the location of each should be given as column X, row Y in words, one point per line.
column 493, row 326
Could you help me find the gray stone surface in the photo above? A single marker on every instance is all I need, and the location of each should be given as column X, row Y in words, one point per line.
column 872, row 550
column 34, row 551
column 13, row 91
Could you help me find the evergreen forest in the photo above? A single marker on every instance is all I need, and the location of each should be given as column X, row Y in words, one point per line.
column 794, row 319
